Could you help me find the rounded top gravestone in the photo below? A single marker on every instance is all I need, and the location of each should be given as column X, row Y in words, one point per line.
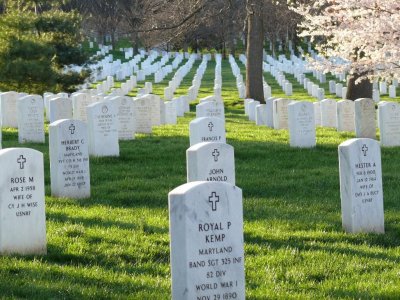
column 22, row 206
column 206, row 228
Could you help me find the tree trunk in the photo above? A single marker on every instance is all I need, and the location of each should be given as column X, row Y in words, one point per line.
column 113, row 39
column 360, row 90
column 232, row 46
column 255, row 42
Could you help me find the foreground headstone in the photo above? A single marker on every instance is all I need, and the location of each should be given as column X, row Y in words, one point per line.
column 210, row 162
column 207, row 130
column 206, row 228
column 102, row 129
column 389, row 124
column 30, row 110
column 365, row 124
column 22, row 206
column 301, row 124
column 69, row 159
column 361, row 186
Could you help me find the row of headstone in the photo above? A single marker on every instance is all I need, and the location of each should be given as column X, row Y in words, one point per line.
column 218, row 78
column 193, row 90
column 344, row 115
column 164, row 71
column 206, row 219
column 175, row 82
column 241, row 87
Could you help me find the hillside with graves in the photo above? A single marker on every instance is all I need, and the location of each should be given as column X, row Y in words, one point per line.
column 160, row 172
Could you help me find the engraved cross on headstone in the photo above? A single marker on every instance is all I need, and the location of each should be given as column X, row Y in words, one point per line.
column 364, row 149
column 21, row 160
column 213, row 199
column 72, row 128
column 215, row 154
column 210, row 126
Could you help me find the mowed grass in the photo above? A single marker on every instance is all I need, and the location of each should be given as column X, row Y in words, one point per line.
column 115, row 245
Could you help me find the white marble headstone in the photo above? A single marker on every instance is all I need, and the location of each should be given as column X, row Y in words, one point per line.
column 261, row 114
column 170, row 113
column 365, row 114
column 246, row 106
column 143, row 112
column 269, row 108
column 103, row 129
column 389, row 124
column 251, row 106
column 79, row 103
column 210, row 162
column 301, row 124
column 345, row 115
column 69, row 159
column 328, row 113
column 317, row 113
column 154, row 104
column 8, row 109
column 207, row 129
column 207, row 249
column 22, row 205
column 361, row 190
column 60, row 108
column 125, row 117
column 30, row 111
column 280, row 113
column 210, row 109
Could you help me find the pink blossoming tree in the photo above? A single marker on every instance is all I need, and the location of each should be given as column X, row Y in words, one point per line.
column 364, row 33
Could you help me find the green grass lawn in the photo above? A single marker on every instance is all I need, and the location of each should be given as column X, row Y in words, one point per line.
column 116, row 244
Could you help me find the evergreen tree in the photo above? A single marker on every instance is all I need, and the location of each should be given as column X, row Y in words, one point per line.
column 37, row 41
